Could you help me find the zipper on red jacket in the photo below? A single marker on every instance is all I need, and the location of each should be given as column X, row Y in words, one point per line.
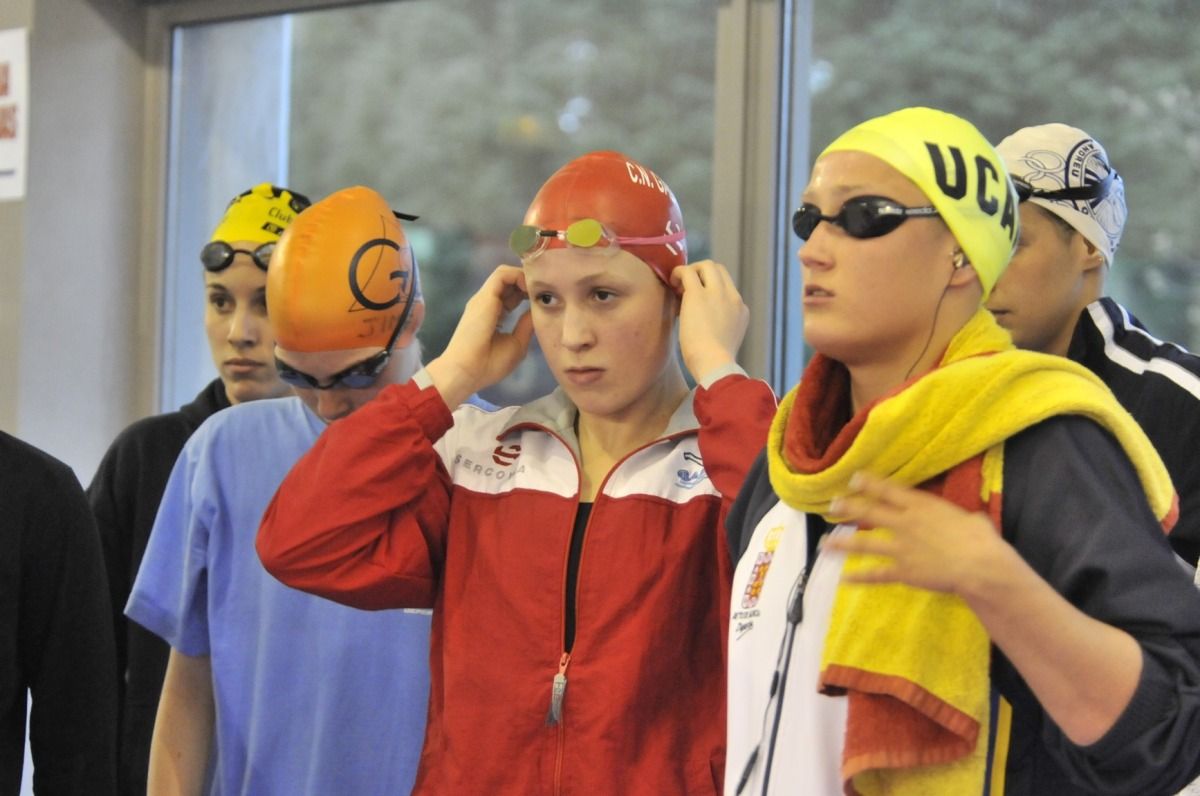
column 558, row 691
column 558, row 688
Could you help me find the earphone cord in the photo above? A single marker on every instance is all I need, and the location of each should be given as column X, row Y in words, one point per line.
column 789, row 638
column 795, row 614
column 932, row 327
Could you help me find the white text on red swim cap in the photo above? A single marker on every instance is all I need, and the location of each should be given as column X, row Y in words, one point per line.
column 640, row 175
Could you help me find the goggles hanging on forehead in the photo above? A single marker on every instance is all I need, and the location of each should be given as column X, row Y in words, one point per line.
column 218, row 255
column 587, row 233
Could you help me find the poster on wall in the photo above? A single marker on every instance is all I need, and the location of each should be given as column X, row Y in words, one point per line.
column 14, row 112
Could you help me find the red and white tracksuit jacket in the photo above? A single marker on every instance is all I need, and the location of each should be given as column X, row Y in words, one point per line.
column 404, row 505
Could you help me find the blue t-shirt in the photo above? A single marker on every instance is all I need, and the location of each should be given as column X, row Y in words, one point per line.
column 312, row 697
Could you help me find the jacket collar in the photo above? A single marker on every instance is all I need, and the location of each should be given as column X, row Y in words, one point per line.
column 210, row 400
column 555, row 413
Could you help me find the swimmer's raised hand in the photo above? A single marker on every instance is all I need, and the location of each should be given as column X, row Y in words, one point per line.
column 479, row 354
column 712, row 316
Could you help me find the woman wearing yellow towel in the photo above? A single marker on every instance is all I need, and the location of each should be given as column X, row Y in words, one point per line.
column 952, row 571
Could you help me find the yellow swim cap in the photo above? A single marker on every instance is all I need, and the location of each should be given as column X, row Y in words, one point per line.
column 342, row 275
column 260, row 214
column 955, row 166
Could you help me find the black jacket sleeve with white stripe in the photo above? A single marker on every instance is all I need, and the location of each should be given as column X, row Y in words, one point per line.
column 1159, row 384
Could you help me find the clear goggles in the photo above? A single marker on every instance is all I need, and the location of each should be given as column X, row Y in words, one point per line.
column 528, row 241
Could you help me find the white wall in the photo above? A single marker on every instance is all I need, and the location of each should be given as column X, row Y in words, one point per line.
column 13, row 14
column 76, row 263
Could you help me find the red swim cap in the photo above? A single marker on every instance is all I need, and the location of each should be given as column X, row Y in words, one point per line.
column 627, row 198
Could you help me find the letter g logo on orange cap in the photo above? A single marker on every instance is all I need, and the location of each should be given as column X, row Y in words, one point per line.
column 341, row 274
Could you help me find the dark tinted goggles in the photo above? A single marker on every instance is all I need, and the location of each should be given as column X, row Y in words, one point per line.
column 356, row 377
column 217, row 255
column 860, row 217
column 360, row 374
column 1092, row 192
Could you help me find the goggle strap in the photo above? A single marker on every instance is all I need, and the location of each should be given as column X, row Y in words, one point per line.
column 674, row 237
column 538, row 235
column 1080, row 193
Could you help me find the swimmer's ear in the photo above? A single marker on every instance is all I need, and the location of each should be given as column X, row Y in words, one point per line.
column 675, row 283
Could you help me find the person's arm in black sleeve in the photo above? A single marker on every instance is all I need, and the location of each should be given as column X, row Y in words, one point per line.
column 1183, row 460
column 66, row 643
column 1075, row 510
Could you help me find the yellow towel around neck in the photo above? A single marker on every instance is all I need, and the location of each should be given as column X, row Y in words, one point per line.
column 915, row 663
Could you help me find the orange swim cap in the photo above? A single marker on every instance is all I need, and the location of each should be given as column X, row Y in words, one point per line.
column 341, row 276
column 627, row 198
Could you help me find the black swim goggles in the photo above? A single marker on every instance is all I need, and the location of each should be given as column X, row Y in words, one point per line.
column 359, row 375
column 860, row 217
column 1093, row 192
column 217, row 255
